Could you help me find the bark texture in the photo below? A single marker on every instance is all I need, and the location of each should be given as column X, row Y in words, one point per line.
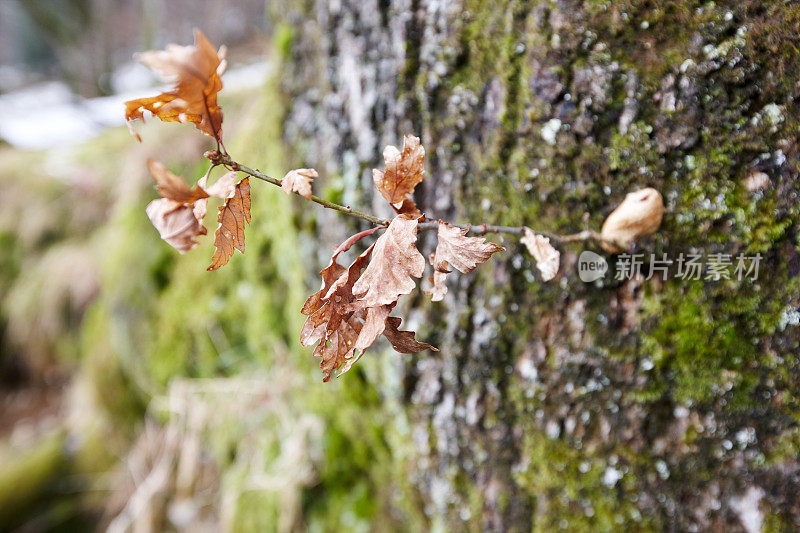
column 644, row 404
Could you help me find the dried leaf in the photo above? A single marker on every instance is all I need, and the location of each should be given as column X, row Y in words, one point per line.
column 404, row 341
column 341, row 291
column 408, row 207
column 438, row 288
column 299, row 181
column 316, row 306
column 222, row 188
column 196, row 72
column 174, row 187
column 547, row 258
column 638, row 215
column 404, row 171
column 337, row 347
column 176, row 223
column 232, row 217
column 461, row 252
column 374, row 325
column 345, row 326
column 314, row 328
column 394, row 260
column 333, row 319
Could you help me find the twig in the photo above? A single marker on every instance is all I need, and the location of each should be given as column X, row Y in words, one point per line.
column 225, row 160
column 584, row 236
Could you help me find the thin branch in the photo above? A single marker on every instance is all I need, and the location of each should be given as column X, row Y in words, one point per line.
column 481, row 229
column 224, row 159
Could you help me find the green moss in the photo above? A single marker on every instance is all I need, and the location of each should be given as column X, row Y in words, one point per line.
column 25, row 476
column 708, row 341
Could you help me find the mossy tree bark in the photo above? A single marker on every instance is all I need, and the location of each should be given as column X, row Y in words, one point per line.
column 659, row 405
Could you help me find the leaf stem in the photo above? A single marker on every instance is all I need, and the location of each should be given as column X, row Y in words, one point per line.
column 218, row 158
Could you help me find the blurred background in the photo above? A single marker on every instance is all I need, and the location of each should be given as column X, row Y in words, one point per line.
column 130, row 400
column 139, row 392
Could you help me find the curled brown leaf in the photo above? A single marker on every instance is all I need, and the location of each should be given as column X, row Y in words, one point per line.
column 455, row 249
column 299, row 181
column 333, row 319
column 638, row 215
column 196, row 72
column 224, row 186
column 174, row 187
column 404, row 171
column 404, row 341
column 438, row 288
column 177, row 223
column 547, row 258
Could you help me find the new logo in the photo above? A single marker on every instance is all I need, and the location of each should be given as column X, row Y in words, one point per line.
column 591, row 266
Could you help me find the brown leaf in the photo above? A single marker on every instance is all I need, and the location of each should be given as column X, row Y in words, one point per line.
column 299, row 181
column 341, row 291
column 638, row 215
column 374, row 324
column 338, row 347
column 333, row 319
column 461, row 252
column 232, row 217
column 318, row 306
column 408, row 207
column 224, row 186
column 196, row 72
column 547, row 258
column 404, row 341
column 438, row 288
column 176, row 223
column 329, row 274
column 173, row 187
column 394, row 260
column 404, row 171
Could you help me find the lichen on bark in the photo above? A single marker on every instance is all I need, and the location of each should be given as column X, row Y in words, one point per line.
column 654, row 405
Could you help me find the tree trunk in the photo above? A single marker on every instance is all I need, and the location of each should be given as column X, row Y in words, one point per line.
column 643, row 404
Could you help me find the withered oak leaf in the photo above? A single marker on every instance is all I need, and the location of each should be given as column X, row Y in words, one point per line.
column 438, row 288
column 299, row 181
column 333, row 320
column 404, row 171
column 394, row 261
column 177, row 223
column 547, row 258
column 404, row 341
column 231, row 217
column 461, row 252
column 195, row 71
column 174, row 187
column 638, row 215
